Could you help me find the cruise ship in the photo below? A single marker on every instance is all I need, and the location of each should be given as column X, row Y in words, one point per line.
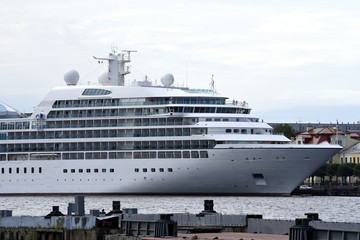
column 143, row 138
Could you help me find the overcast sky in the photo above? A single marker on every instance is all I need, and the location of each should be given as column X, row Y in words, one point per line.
column 290, row 60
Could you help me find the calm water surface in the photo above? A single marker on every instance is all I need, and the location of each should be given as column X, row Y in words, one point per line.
column 340, row 209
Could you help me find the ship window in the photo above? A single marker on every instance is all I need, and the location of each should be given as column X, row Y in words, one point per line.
column 228, row 130
column 209, row 119
column 136, row 170
column 17, row 170
column 2, row 170
column 81, row 170
column 32, row 170
column 186, row 154
column 236, row 130
column 145, row 155
column 91, row 92
column 88, row 170
column 161, row 169
column 199, row 110
column 204, row 154
column 170, row 170
column 194, row 154
column 225, row 119
column 169, row 155
column 178, row 109
column 153, row 170
column 144, row 169
column 96, row 170
column 177, row 154
column 40, row 170
column 64, row 170
column 161, row 154
column 217, row 119
column 112, row 170
column 24, row 169
column 10, row 170
column 72, row 170
column 103, row 170
column 188, row 109
column 243, row 131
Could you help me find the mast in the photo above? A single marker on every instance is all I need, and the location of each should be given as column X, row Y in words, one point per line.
column 212, row 84
column 116, row 68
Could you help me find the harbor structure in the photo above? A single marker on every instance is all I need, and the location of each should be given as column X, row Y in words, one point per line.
column 126, row 224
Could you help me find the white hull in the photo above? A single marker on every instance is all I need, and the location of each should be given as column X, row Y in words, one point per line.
column 144, row 139
column 226, row 171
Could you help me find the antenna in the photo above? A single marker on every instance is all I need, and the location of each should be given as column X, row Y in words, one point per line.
column 114, row 48
column 212, row 83
column 128, row 53
column 187, row 75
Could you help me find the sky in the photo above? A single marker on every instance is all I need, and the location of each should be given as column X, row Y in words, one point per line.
column 292, row 61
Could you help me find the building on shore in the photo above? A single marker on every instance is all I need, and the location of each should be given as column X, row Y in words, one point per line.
column 351, row 154
column 331, row 135
column 346, row 135
column 302, row 126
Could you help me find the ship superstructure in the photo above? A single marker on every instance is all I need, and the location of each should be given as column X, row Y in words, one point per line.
column 144, row 139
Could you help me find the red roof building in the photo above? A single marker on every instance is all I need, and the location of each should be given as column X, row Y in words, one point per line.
column 332, row 136
column 318, row 135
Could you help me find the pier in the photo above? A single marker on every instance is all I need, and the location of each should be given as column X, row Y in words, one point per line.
column 128, row 224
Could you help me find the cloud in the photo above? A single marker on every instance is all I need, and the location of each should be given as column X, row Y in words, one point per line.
column 274, row 54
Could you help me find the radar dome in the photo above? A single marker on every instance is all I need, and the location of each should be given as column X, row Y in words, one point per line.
column 104, row 79
column 71, row 77
column 167, row 80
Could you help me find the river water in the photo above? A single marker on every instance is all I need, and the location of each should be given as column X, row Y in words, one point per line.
column 339, row 209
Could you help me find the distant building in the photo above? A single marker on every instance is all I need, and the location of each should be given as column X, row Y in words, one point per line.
column 302, row 127
column 351, row 154
column 319, row 135
column 346, row 135
column 332, row 136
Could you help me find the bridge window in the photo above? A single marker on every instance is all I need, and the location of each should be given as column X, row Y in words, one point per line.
column 91, row 92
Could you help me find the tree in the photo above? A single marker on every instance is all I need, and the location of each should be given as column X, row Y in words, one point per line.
column 356, row 170
column 351, row 167
column 345, row 170
column 332, row 170
column 321, row 172
column 285, row 129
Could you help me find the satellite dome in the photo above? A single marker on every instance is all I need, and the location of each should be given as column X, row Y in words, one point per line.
column 71, row 77
column 104, row 79
column 167, row 80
